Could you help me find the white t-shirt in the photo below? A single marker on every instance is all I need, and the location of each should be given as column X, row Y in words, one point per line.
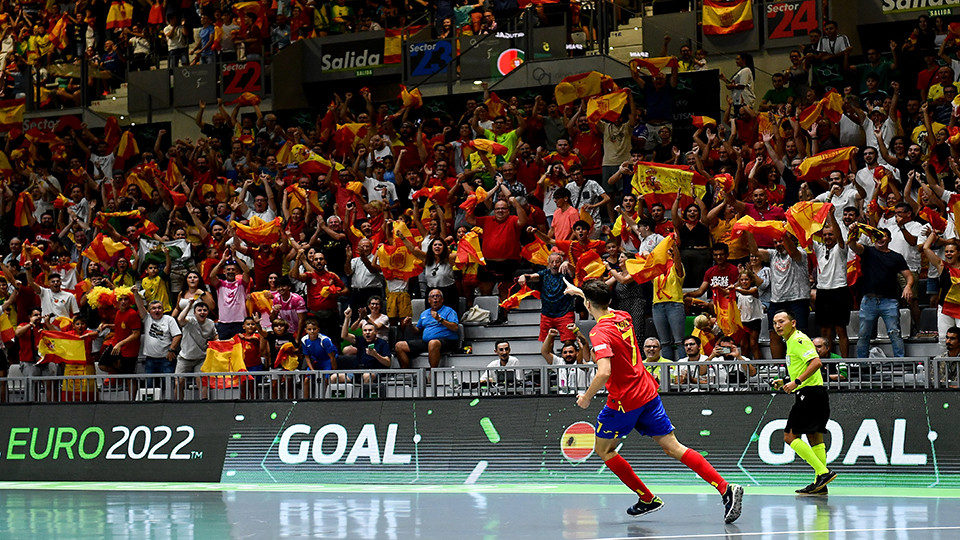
column 847, row 197
column 751, row 308
column 831, row 265
column 649, row 243
column 362, row 278
column 866, row 180
column 572, row 378
column 61, row 304
column 158, row 334
column 374, row 187
column 491, row 376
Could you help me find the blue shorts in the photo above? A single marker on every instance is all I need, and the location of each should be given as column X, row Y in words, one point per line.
column 650, row 420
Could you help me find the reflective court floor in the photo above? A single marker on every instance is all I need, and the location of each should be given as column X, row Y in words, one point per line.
column 209, row 511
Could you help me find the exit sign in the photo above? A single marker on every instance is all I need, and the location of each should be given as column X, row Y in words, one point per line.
column 940, row 12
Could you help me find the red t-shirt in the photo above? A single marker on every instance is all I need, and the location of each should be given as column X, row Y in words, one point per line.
column 28, row 344
column 591, row 151
column 251, row 350
column 664, row 228
column 315, row 284
column 630, row 386
column 725, row 276
column 501, row 241
column 528, row 174
column 125, row 323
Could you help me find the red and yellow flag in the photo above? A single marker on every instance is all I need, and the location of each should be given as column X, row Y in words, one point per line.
column 148, row 228
column 728, row 314
column 111, row 134
column 536, row 252
column 29, row 252
column 397, row 262
column 114, row 218
column 645, row 268
column 608, row 106
column 955, row 210
column 224, row 357
column 934, row 218
column 721, row 18
column 830, row 106
column 347, row 135
column 259, row 302
column 23, row 208
column 246, row 99
column 437, row 194
column 771, row 228
column 488, row 146
column 287, row 357
column 58, row 34
column 468, row 250
column 7, row 331
column 951, row 302
column 702, row 122
column 495, row 105
column 822, row 164
column 11, row 114
column 854, row 270
column 659, row 183
column 411, row 98
column 105, row 251
column 179, row 199
column 62, row 202
column 259, row 232
column 62, row 348
column 330, row 290
column 127, row 147
column 655, row 65
column 120, row 15
column 513, row 300
column 807, row 218
column 589, row 266
column 582, row 86
column 474, row 199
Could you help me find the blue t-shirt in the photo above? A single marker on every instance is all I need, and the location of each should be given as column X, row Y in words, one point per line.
column 319, row 350
column 206, row 34
column 432, row 329
column 364, row 360
column 553, row 303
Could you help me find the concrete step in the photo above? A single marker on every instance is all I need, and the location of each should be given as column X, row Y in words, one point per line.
column 630, row 27
column 508, row 331
column 517, row 346
column 625, row 53
column 622, row 38
column 635, row 21
column 524, row 317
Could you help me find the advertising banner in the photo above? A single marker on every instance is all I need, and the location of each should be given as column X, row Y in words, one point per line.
column 347, row 56
column 119, row 442
column 883, row 439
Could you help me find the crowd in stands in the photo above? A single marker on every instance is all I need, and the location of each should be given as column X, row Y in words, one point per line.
column 307, row 245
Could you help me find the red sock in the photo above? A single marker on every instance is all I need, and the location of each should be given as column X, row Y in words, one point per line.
column 624, row 472
column 699, row 464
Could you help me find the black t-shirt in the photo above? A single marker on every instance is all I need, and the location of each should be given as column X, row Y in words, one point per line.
column 335, row 251
column 274, row 342
column 880, row 271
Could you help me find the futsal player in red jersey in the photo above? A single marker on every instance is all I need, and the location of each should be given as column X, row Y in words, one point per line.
column 633, row 403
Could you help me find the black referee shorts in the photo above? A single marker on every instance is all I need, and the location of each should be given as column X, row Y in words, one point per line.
column 810, row 412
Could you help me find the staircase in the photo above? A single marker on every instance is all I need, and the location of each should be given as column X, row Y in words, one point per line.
column 626, row 42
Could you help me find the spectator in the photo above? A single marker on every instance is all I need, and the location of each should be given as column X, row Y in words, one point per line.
column 177, row 41
column 504, row 360
column 586, row 196
column 949, row 369
column 834, row 371
column 570, row 380
column 778, row 95
column 732, row 375
column 366, row 351
column 833, row 52
column 124, row 347
column 161, row 340
column 53, row 301
column 948, row 305
column 231, row 294
column 501, row 247
column 556, row 308
column 741, row 84
column 28, row 336
column 366, row 278
column 881, row 270
column 438, row 326
column 690, row 377
column 789, row 286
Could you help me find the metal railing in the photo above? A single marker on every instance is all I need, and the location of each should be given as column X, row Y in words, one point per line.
column 921, row 373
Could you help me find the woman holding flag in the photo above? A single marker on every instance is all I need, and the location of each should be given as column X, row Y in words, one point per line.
column 948, row 309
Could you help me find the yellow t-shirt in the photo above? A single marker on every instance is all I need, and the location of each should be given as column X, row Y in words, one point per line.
column 800, row 351
column 156, row 289
column 668, row 288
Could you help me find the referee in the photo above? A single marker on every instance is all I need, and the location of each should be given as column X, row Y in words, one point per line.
column 811, row 411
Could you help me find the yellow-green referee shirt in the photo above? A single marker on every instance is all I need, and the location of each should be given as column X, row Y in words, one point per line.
column 800, row 351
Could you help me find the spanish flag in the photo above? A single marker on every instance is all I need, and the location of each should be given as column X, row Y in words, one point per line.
column 23, row 208
column 582, row 86
column 822, row 164
column 120, row 15
column 58, row 33
column 589, row 266
column 285, row 154
column 330, row 290
column 223, row 357
column 116, row 219
column 62, row 202
column 6, row 169
column 488, row 146
column 721, row 18
column 934, row 218
column 703, row 122
column 111, row 134
column 397, row 262
column 870, row 231
column 854, row 270
column 725, row 180
column 659, row 183
column 771, row 228
column 392, row 42
column 127, row 148
column 536, row 252
column 346, row 136
column 830, row 106
column 259, row 232
column 807, row 218
column 311, row 162
column 645, row 268
column 148, row 228
column 105, row 251
column 62, row 348
column 173, row 176
column 474, row 199
column 29, row 252
column 468, row 250
column 11, row 114
column 437, row 194
column 608, row 106
column 728, row 314
column 135, row 178
column 246, row 99
column 179, row 199
column 514, row 299
column 400, row 229
column 495, row 105
column 260, row 302
column 654, row 65
column 951, row 302
column 287, row 357
column 7, row 332
column 412, row 99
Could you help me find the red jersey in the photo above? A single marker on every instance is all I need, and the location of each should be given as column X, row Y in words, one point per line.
column 590, row 149
column 317, row 298
column 630, row 386
column 501, row 240
column 664, row 228
column 125, row 323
